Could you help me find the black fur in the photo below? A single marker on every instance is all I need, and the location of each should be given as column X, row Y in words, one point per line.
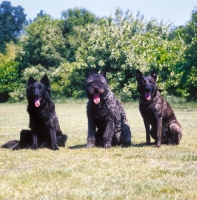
column 44, row 125
column 107, row 123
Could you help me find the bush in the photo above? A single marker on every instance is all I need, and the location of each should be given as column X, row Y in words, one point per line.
column 124, row 44
column 9, row 76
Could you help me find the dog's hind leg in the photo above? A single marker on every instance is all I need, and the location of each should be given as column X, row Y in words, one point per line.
column 175, row 132
column 123, row 132
column 25, row 139
column 126, row 135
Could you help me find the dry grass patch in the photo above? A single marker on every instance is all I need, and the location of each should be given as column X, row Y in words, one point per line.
column 74, row 172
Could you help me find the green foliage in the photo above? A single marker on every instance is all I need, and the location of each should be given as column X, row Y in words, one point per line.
column 9, row 70
column 72, row 18
column 43, row 43
column 76, row 17
column 188, row 82
column 125, row 43
column 65, row 49
column 8, row 76
column 10, row 54
column 12, row 20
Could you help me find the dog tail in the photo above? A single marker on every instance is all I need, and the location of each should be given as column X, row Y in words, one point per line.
column 13, row 144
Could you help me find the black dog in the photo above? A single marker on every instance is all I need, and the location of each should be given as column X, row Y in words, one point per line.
column 45, row 129
column 105, row 114
column 156, row 112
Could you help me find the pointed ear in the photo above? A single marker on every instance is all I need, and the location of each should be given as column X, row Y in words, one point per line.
column 45, row 81
column 103, row 73
column 154, row 74
column 138, row 74
column 89, row 73
column 31, row 80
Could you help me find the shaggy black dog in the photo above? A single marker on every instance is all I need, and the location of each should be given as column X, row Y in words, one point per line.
column 156, row 112
column 107, row 123
column 45, row 129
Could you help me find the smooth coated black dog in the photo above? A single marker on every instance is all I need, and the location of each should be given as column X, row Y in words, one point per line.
column 107, row 123
column 44, row 125
column 156, row 112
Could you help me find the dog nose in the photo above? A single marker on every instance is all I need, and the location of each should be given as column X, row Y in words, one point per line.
column 147, row 89
column 96, row 91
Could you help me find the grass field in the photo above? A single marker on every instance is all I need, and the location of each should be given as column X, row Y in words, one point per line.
column 74, row 172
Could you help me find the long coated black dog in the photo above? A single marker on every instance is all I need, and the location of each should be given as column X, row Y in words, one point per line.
column 44, row 125
column 107, row 123
column 156, row 112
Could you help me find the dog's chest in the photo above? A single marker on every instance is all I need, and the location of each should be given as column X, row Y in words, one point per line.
column 42, row 118
column 150, row 113
column 101, row 113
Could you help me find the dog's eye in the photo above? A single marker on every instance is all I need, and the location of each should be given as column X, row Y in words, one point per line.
column 151, row 80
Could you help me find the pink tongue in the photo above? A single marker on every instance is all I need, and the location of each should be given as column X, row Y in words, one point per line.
column 37, row 102
column 147, row 96
column 96, row 98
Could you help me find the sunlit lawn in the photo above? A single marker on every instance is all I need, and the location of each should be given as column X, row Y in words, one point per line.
column 74, row 172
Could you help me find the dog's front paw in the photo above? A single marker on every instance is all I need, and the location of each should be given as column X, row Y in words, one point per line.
column 55, row 147
column 107, row 145
column 89, row 145
column 158, row 145
column 34, row 146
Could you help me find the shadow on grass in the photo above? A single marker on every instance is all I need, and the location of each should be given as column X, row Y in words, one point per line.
column 143, row 144
column 79, row 146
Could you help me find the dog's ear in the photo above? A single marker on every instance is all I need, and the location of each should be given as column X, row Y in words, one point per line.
column 31, row 80
column 138, row 74
column 154, row 74
column 89, row 73
column 103, row 73
column 45, row 81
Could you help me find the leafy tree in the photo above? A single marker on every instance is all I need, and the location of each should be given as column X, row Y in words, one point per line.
column 125, row 43
column 188, row 83
column 12, row 20
column 43, row 43
column 72, row 18
column 9, row 76
column 76, row 17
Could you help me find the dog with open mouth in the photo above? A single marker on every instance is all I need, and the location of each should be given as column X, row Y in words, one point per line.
column 107, row 123
column 44, row 125
column 159, row 119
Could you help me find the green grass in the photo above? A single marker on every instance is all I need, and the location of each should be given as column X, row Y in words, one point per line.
column 74, row 172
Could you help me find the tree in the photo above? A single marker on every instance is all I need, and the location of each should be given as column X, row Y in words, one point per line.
column 71, row 19
column 12, row 20
column 188, row 82
column 126, row 43
column 43, row 43
column 9, row 76
column 76, row 17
